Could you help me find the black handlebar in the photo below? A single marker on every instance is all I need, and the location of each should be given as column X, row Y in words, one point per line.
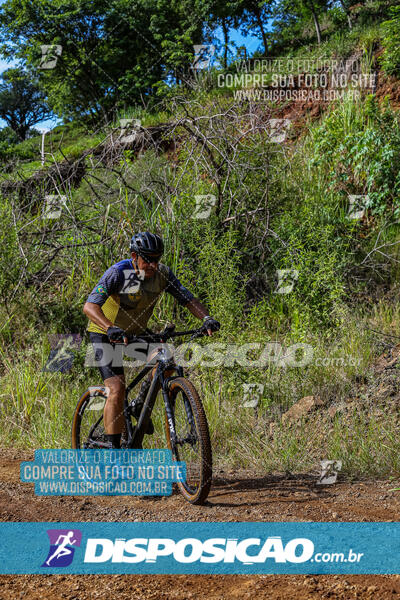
column 168, row 333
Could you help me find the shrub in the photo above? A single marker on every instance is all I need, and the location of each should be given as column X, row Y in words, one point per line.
column 391, row 57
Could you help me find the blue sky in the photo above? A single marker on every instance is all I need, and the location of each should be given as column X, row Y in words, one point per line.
column 250, row 42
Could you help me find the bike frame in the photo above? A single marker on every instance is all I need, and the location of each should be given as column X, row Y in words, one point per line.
column 162, row 363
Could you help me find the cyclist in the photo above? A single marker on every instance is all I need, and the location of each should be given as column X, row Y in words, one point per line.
column 121, row 305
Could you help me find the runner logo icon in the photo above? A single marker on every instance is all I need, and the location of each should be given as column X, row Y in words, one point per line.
column 62, row 547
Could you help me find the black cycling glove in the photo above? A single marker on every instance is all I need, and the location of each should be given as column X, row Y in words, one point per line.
column 116, row 334
column 210, row 323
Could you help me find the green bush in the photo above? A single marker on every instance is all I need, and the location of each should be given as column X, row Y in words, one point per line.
column 358, row 148
column 391, row 57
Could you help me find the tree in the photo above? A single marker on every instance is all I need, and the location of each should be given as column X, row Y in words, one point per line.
column 254, row 17
column 292, row 15
column 22, row 103
column 224, row 14
column 113, row 53
column 313, row 6
column 345, row 4
column 8, row 136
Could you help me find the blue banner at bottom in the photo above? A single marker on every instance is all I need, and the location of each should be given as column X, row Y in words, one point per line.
column 200, row 548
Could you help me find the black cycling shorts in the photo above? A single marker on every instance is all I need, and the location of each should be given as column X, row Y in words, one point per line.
column 107, row 355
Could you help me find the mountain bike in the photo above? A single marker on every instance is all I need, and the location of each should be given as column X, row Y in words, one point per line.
column 186, row 426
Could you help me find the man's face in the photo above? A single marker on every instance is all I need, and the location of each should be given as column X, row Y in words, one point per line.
column 148, row 268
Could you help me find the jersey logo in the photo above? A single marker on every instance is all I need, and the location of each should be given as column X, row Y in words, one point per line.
column 101, row 290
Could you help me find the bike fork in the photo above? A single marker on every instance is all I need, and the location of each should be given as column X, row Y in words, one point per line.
column 170, row 415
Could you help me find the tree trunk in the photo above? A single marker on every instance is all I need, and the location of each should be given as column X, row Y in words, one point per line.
column 21, row 129
column 226, row 42
column 316, row 22
column 347, row 14
column 257, row 13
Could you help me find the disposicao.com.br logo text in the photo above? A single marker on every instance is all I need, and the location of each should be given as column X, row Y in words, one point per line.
column 248, row 551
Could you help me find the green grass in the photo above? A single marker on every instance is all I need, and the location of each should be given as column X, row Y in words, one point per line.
column 37, row 406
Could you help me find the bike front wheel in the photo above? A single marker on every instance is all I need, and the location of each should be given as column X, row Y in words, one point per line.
column 87, row 423
column 191, row 441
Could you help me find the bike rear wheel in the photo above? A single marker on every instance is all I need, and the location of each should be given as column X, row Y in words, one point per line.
column 192, row 444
